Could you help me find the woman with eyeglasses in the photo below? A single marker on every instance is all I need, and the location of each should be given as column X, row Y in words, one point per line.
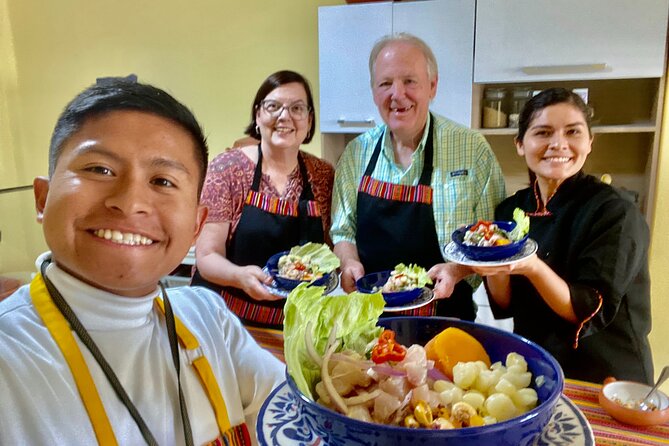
column 264, row 199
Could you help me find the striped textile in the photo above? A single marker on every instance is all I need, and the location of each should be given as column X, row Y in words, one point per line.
column 609, row 432
column 235, row 436
column 278, row 206
column 396, row 192
column 253, row 312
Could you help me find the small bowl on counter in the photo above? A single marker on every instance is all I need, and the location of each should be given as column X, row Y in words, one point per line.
column 621, row 399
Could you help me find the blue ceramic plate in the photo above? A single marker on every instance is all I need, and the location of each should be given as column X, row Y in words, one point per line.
column 488, row 253
column 277, row 290
column 281, row 423
column 372, row 283
column 285, row 283
column 452, row 253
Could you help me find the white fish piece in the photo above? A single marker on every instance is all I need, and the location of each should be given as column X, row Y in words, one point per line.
column 360, row 412
column 398, row 386
column 385, row 406
column 415, row 365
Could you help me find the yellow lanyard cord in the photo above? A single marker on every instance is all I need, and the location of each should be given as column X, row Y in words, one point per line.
column 204, row 371
column 62, row 334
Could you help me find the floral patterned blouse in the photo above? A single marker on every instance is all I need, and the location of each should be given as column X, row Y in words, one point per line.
column 230, row 176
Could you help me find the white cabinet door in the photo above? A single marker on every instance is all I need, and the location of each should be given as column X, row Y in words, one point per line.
column 447, row 26
column 545, row 40
column 346, row 35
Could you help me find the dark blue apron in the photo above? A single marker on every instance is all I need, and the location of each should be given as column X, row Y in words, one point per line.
column 267, row 226
column 396, row 225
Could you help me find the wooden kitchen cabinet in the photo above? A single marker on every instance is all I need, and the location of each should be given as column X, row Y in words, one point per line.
column 559, row 42
column 614, row 48
column 626, row 126
column 548, row 40
column 347, row 34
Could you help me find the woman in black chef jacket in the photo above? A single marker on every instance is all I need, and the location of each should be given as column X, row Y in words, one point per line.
column 263, row 199
column 585, row 295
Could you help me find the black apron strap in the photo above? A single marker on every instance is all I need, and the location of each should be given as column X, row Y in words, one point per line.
column 428, row 159
column 257, row 173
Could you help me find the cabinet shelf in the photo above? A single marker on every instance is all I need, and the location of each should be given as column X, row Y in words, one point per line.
column 643, row 127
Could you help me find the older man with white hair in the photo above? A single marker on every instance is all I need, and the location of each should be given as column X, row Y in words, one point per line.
column 404, row 186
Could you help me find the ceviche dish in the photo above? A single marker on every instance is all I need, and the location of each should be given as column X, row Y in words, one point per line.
column 404, row 277
column 486, row 233
column 307, row 262
column 338, row 357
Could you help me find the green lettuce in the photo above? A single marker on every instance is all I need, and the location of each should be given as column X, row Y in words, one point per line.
column 319, row 254
column 355, row 316
column 522, row 225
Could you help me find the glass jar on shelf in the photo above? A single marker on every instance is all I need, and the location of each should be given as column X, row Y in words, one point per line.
column 519, row 97
column 494, row 113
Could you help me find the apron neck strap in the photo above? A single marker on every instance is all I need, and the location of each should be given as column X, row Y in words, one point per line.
column 307, row 193
column 428, row 159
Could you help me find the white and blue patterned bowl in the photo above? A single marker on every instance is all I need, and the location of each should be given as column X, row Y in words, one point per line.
column 336, row 429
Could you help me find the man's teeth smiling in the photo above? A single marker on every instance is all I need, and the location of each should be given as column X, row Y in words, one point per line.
column 399, row 109
column 122, row 238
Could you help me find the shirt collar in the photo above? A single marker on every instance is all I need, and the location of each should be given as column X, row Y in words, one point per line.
column 101, row 310
column 559, row 196
column 388, row 144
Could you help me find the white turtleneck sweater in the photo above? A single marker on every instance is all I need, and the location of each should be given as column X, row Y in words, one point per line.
column 39, row 401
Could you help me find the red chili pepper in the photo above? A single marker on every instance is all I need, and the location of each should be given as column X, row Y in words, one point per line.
column 387, row 349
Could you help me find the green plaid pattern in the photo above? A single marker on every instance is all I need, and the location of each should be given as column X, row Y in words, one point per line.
column 467, row 179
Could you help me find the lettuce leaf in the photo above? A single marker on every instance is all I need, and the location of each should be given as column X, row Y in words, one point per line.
column 522, row 225
column 319, row 255
column 355, row 316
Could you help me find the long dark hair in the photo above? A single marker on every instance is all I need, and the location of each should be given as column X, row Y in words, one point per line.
column 274, row 81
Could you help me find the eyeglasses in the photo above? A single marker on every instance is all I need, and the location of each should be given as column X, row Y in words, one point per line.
column 297, row 110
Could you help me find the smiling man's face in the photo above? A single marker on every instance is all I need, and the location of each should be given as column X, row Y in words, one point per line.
column 402, row 89
column 121, row 208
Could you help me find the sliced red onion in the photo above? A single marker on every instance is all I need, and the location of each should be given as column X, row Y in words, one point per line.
column 385, row 369
column 436, row 374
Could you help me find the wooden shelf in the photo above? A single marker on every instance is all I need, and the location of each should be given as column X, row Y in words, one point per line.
column 644, row 127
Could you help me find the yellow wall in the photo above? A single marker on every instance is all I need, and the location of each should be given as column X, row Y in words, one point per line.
column 659, row 252
column 211, row 54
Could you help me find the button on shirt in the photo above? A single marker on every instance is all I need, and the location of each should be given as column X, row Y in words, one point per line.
column 467, row 181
